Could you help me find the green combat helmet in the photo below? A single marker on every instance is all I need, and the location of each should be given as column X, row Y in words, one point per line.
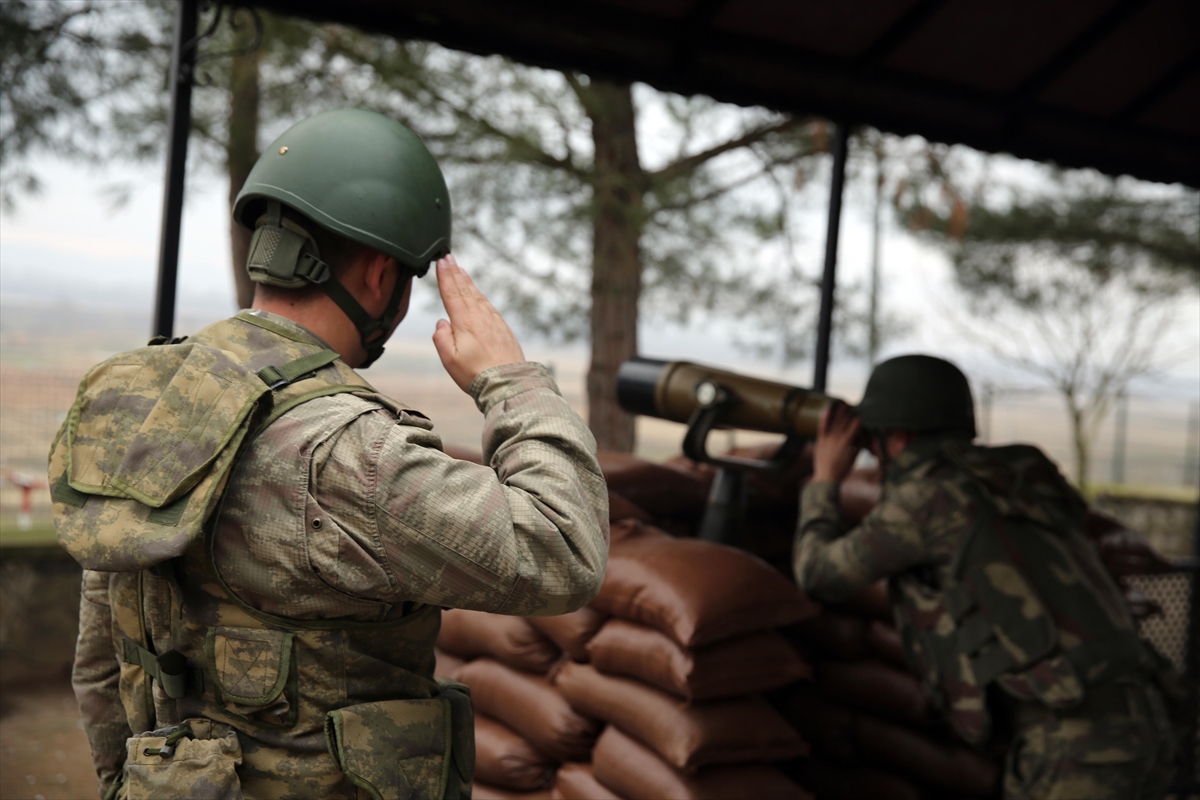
column 356, row 173
column 920, row 394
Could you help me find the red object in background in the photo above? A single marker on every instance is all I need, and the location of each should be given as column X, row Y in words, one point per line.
column 26, row 484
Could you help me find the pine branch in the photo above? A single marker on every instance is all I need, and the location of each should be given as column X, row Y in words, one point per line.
column 689, row 164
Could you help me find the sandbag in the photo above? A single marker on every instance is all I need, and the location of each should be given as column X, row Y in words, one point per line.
column 482, row 791
column 632, row 528
column 871, row 603
column 578, row 782
column 830, row 781
column 858, row 493
column 511, row 640
column 621, row 507
column 830, row 636
column 530, row 706
column 504, row 759
column 635, row 772
column 755, row 662
column 658, row 488
column 697, row 592
column 687, row 736
column 876, row 688
column 884, row 641
column 1127, row 552
column 573, row 631
column 936, row 762
column 828, row 726
column 446, row 664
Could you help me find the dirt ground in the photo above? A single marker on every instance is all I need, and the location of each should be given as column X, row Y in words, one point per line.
column 43, row 750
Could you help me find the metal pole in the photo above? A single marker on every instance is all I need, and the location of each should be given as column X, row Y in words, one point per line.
column 183, row 58
column 1120, row 435
column 1191, row 457
column 989, row 399
column 841, row 141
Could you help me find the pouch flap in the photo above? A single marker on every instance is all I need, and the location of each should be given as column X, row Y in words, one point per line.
column 120, row 534
column 250, row 666
column 393, row 749
column 463, row 724
column 148, row 424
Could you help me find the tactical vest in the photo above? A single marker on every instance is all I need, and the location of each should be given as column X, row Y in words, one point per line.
column 269, row 705
column 1025, row 604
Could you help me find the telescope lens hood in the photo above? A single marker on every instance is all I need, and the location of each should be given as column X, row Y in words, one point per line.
column 637, row 384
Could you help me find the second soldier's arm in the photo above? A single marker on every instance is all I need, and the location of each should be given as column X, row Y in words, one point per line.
column 832, row 564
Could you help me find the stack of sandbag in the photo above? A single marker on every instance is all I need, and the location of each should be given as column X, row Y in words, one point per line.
column 677, row 673
column 524, row 728
column 872, row 731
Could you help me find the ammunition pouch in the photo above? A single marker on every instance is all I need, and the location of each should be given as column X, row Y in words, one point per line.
column 400, row 749
column 196, row 759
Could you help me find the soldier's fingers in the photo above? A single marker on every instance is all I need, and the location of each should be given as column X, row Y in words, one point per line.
column 469, row 293
column 447, row 278
column 455, row 298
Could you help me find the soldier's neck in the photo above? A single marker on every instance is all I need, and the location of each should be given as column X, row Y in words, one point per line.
column 316, row 312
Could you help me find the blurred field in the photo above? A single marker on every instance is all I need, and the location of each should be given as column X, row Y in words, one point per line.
column 46, row 349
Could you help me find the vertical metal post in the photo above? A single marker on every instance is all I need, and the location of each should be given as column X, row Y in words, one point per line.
column 183, row 59
column 989, row 395
column 1120, row 435
column 841, row 142
column 1191, row 456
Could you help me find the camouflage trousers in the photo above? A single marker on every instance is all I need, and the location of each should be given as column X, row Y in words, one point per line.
column 1094, row 756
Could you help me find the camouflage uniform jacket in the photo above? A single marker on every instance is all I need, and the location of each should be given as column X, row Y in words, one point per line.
column 988, row 562
column 346, row 517
column 1059, row 612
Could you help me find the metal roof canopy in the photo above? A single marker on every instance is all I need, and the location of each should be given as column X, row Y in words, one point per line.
column 1109, row 84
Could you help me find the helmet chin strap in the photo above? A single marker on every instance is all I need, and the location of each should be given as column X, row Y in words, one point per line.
column 284, row 254
column 366, row 324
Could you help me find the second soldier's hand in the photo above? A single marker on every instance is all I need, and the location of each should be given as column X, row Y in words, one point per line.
column 476, row 337
column 835, row 450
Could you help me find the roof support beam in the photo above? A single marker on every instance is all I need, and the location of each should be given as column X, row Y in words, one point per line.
column 1159, row 89
column 901, row 29
column 1061, row 61
column 695, row 29
column 841, row 146
column 183, row 59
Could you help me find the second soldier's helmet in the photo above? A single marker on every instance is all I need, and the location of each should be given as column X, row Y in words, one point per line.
column 918, row 393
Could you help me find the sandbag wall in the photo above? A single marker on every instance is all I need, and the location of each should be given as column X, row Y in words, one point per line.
column 701, row 671
column 653, row 691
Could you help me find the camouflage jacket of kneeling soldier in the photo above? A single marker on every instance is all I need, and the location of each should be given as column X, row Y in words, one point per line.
column 992, row 581
column 307, row 610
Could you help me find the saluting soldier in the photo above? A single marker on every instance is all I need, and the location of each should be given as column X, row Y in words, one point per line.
column 268, row 541
column 1009, row 618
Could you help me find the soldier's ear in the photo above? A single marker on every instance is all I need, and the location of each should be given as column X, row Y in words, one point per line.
column 375, row 277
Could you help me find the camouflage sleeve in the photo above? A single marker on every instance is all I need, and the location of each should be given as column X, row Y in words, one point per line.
column 833, row 567
column 95, row 677
column 527, row 534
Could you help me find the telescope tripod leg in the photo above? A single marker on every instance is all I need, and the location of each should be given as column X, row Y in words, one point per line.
column 725, row 513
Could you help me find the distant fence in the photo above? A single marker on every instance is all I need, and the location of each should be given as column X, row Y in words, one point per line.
column 1145, row 440
column 33, row 404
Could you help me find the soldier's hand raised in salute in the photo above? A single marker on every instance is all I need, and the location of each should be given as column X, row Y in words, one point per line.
column 476, row 337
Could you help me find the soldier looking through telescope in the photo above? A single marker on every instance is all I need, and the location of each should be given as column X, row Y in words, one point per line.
column 1010, row 621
